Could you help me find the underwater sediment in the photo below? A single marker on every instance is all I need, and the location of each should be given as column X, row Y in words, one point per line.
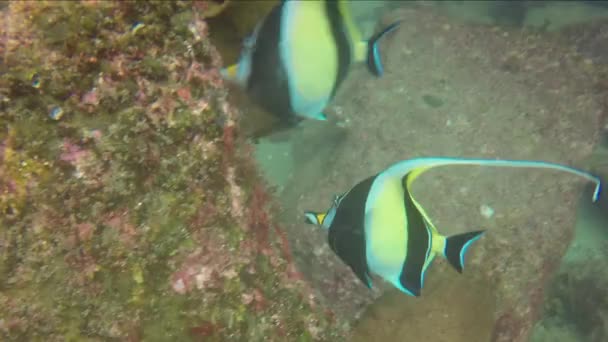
column 131, row 207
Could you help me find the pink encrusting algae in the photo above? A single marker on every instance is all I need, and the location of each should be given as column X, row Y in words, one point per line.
column 129, row 207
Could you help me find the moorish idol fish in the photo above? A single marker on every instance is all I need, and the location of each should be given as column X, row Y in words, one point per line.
column 378, row 227
column 297, row 57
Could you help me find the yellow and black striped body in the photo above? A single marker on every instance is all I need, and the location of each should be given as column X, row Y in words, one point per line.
column 390, row 237
column 301, row 55
column 267, row 82
column 399, row 243
column 379, row 227
column 346, row 234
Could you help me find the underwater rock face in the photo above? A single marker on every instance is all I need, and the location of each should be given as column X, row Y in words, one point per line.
column 508, row 95
column 131, row 208
column 590, row 40
column 578, row 297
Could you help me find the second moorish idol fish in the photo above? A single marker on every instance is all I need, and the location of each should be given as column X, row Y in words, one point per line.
column 297, row 57
column 378, row 227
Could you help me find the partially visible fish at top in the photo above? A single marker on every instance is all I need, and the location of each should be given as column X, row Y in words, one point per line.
column 299, row 54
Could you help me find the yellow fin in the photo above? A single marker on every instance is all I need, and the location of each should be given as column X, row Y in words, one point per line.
column 315, row 218
column 358, row 45
column 321, row 217
column 230, row 72
column 360, row 51
column 412, row 175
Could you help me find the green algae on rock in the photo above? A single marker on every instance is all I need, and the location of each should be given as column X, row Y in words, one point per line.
column 126, row 215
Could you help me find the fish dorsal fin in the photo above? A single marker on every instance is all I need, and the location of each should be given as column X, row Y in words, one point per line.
column 413, row 168
column 407, row 184
column 421, row 210
column 409, row 170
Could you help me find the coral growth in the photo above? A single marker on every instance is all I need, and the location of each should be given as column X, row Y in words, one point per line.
column 124, row 185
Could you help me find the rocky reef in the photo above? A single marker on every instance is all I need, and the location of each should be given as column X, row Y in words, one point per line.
column 132, row 210
column 131, row 207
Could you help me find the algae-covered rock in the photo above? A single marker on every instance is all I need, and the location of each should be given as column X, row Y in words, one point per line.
column 131, row 209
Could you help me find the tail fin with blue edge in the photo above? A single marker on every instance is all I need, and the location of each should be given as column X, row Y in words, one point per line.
column 373, row 54
column 456, row 247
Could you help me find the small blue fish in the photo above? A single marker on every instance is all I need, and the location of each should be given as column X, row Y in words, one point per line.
column 378, row 227
column 36, row 82
column 56, row 113
column 297, row 57
column 136, row 27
